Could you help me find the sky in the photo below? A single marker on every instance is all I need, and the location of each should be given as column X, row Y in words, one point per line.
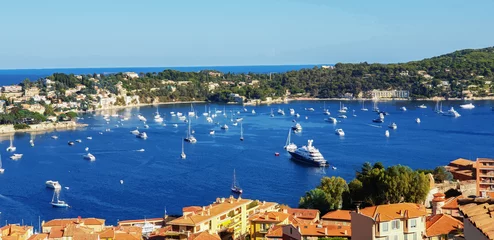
column 130, row 33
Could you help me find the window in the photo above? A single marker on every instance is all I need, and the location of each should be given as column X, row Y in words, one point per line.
column 395, row 237
column 395, row 224
column 413, row 223
column 414, row 236
column 384, row 227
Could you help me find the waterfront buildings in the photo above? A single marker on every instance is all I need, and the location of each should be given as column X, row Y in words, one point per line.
column 377, row 94
column 393, row 221
column 485, row 177
column 16, row 232
column 462, row 169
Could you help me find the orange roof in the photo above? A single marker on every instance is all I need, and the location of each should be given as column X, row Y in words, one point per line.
column 275, row 232
column 325, row 230
column 439, row 194
column 273, row 217
column 213, row 210
column 107, row 233
column 481, row 215
column 342, row 215
column 191, row 209
column 442, row 224
column 56, row 232
column 93, row 221
column 40, row 236
column 13, row 229
column 390, row 212
column 65, row 221
column 136, row 221
column 462, row 162
column 438, row 199
column 9, row 238
column 85, row 236
column 125, row 236
column 204, row 236
column 303, row 213
column 452, row 203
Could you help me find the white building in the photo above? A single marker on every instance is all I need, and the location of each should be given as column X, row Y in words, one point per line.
column 390, row 94
column 130, row 74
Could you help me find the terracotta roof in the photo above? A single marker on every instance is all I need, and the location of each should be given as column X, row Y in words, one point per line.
column 439, row 194
column 275, row 232
column 40, row 236
column 389, row 212
column 9, row 238
column 13, row 229
column 107, row 233
column 442, row 224
column 438, row 199
column 342, row 215
column 204, row 236
column 136, row 221
column 85, row 236
column 93, row 221
column 56, row 232
column 65, row 221
column 462, row 162
column 303, row 213
column 191, row 209
column 125, row 236
column 452, row 202
column 325, row 230
column 481, row 215
column 272, row 217
column 213, row 210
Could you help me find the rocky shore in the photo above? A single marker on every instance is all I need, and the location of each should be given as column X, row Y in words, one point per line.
column 42, row 127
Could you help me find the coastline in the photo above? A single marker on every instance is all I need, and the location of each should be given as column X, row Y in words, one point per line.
column 138, row 105
column 389, row 99
column 42, row 127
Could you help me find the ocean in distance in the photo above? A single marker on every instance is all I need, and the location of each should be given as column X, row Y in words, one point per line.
column 14, row 76
column 157, row 178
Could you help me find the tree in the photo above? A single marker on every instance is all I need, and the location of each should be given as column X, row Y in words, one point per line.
column 49, row 110
column 329, row 195
column 441, row 174
column 71, row 115
column 315, row 199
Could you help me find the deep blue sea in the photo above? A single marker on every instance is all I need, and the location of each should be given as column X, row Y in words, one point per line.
column 15, row 76
column 157, row 178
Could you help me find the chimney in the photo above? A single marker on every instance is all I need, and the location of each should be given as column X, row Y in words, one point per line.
column 346, row 232
column 325, row 231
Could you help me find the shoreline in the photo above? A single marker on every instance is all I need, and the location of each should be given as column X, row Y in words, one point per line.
column 8, row 129
column 390, row 99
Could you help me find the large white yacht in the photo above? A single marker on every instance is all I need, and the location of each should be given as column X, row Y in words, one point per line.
column 467, row 106
column 310, row 155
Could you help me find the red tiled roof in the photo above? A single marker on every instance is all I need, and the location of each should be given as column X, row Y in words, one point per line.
column 204, row 236
column 303, row 213
column 442, row 224
column 56, row 232
column 40, row 236
column 275, row 232
column 388, row 212
column 452, row 203
column 438, row 199
column 342, row 215
column 325, row 230
column 439, row 194
column 275, row 217
column 140, row 221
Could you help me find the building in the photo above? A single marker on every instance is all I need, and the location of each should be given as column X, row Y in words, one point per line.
column 390, row 94
column 121, row 233
column 16, row 232
column 12, row 89
column 485, row 177
column 462, row 169
column 147, row 225
column 39, row 236
column 130, row 75
column 94, row 223
column 478, row 218
column 227, row 217
column 261, row 223
column 316, row 231
column 31, row 92
column 283, row 232
column 34, row 108
column 391, row 221
column 2, row 106
column 451, row 207
column 338, row 217
column 442, row 226
column 304, row 215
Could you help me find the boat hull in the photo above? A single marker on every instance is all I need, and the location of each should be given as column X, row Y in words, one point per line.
column 304, row 160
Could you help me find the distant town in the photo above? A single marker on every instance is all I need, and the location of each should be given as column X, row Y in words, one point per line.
column 459, row 208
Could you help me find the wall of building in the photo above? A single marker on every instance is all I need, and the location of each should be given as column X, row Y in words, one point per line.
column 471, row 232
column 362, row 227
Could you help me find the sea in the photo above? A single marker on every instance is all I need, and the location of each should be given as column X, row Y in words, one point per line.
column 157, row 179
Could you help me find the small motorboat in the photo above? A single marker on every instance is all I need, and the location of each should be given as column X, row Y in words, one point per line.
column 70, row 143
column 332, row 120
column 78, row 140
column 142, row 135
column 16, row 156
column 175, row 125
column 404, row 109
column 386, row 133
column 121, row 181
column 393, row 126
column 224, row 127
column 211, row 132
column 417, row 120
column 135, row 132
column 342, row 116
column 89, row 138
column 87, row 149
column 90, row 157
column 140, row 150
column 277, row 154
column 422, row 106
column 339, row 132
column 333, row 167
column 467, row 106
column 54, row 137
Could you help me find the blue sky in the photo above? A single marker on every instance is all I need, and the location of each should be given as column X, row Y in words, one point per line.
column 113, row 33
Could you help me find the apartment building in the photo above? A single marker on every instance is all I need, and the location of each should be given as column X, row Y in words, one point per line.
column 485, row 177
column 261, row 223
column 400, row 221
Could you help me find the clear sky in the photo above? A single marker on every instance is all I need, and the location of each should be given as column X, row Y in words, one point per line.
column 118, row 33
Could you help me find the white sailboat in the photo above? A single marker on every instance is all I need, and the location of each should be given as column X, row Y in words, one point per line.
column 192, row 113
column 56, row 202
column 289, row 146
column 242, row 131
column 190, row 138
column 11, row 148
column 182, row 155
column 235, row 187
column 1, row 168
column 325, row 110
column 342, row 109
column 363, row 107
column 157, row 116
column 31, row 141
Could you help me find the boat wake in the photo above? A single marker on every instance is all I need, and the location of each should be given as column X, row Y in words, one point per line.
column 376, row 126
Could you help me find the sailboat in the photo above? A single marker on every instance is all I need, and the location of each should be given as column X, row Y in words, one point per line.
column 1, row 169
column 235, row 187
column 342, row 109
column 326, row 111
column 192, row 113
column 376, row 108
column 241, row 132
column 56, row 202
column 31, row 142
column 182, row 155
column 224, row 112
column 157, row 116
column 272, row 114
column 11, row 148
column 289, row 146
column 189, row 137
column 363, row 107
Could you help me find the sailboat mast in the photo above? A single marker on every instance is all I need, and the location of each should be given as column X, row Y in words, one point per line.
column 234, row 179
